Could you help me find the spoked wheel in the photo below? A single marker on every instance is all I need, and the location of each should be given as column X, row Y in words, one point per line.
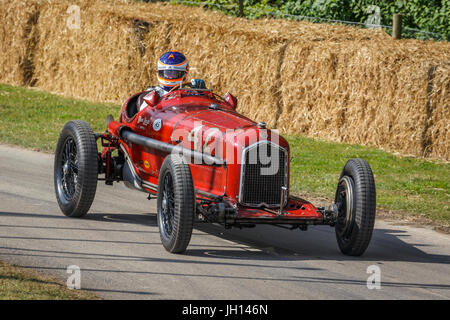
column 69, row 168
column 176, row 204
column 167, row 206
column 356, row 203
column 75, row 169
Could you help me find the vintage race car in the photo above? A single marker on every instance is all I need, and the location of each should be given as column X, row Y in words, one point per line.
column 203, row 161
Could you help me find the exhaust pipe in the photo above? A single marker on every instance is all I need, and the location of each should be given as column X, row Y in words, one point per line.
column 199, row 157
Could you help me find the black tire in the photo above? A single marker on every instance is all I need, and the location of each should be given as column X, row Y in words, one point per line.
column 356, row 202
column 176, row 204
column 76, row 168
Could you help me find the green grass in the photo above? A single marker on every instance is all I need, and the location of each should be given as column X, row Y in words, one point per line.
column 22, row 284
column 417, row 187
column 34, row 119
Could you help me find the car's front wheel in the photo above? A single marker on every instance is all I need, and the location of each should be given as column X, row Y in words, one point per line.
column 76, row 168
column 356, row 203
column 175, row 204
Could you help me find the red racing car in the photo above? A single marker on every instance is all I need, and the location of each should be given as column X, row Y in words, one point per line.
column 203, row 160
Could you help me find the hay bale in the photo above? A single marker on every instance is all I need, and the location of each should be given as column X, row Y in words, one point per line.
column 81, row 63
column 368, row 92
column 439, row 126
column 18, row 38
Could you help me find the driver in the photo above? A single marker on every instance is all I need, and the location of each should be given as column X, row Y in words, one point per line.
column 172, row 70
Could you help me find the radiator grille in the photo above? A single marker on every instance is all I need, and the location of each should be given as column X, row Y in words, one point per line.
column 264, row 172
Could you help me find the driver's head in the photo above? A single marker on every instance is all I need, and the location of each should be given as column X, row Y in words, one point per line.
column 173, row 69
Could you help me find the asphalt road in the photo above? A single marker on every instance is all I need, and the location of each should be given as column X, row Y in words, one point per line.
column 118, row 249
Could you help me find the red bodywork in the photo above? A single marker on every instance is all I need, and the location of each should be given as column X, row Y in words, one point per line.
column 200, row 120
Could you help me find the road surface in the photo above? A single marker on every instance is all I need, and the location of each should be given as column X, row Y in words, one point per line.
column 118, row 250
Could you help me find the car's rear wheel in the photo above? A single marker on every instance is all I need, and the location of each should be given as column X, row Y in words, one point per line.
column 175, row 204
column 356, row 203
column 76, row 168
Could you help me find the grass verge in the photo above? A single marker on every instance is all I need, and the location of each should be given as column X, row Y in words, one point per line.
column 414, row 187
column 22, row 284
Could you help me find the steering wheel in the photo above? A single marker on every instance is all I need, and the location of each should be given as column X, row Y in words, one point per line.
column 189, row 85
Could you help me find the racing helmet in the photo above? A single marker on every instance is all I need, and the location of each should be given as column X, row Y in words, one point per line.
column 173, row 68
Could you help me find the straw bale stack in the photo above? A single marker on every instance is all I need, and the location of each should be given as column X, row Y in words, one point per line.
column 368, row 92
column 18, row 37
